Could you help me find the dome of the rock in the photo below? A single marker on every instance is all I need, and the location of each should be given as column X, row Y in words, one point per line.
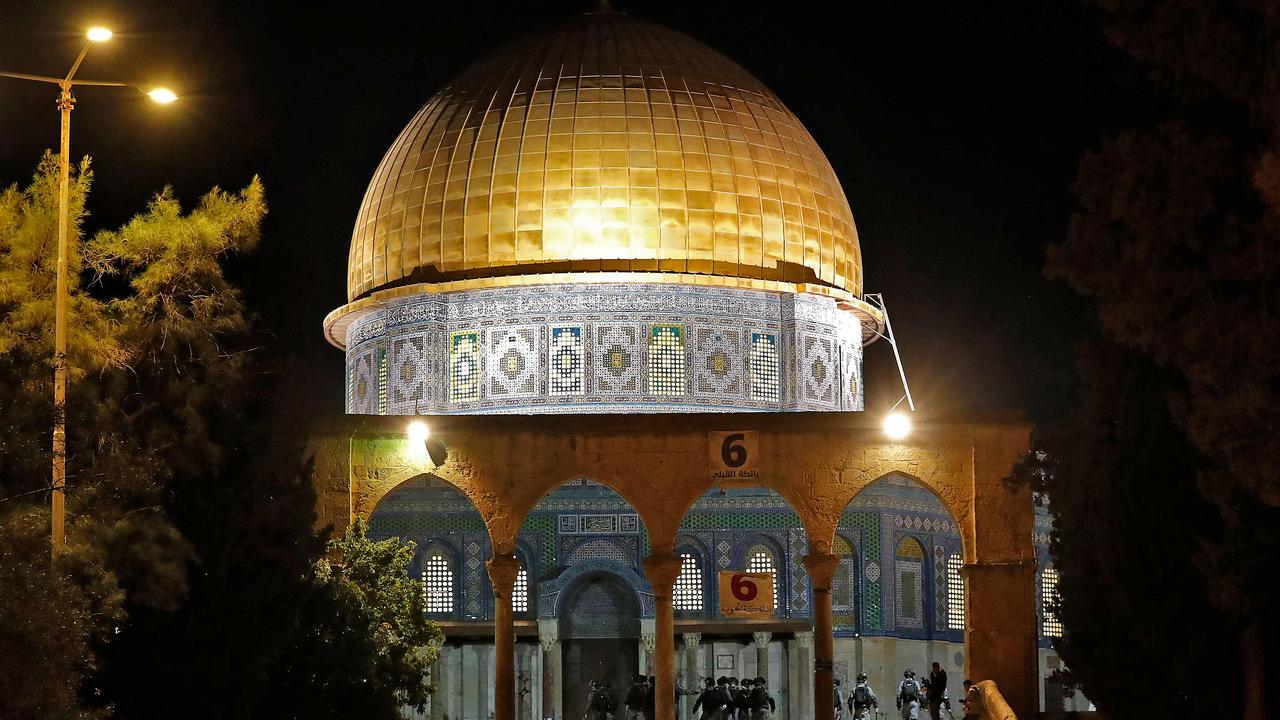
column 616, row 171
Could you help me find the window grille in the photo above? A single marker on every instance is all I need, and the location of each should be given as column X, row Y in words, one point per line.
column 955, row 593
column 520, row 591
column 1050, row 625
column 687, row 593
column 437, row 583
column 760, row 560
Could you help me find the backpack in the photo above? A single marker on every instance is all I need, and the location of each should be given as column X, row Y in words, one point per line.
column 910, row 689
column 759, row 698
column 861, row 696
column 601, row 701
column 635, row 696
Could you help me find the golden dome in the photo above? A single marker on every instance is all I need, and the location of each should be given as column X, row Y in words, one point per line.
column 608, row 145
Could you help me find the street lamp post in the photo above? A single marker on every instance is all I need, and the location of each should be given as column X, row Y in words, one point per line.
column 66, row 102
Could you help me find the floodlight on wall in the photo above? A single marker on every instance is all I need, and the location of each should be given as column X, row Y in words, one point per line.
column 423, row 444
column 897, row 425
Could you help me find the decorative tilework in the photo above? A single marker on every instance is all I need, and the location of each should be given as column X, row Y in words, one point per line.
column 513, row 362
column 363, row 387
column 473, row 590
column 873, row 571
column 382, row 382
column 818, row 370
column 600, row 549
column 407, row 374
column 617, row 359
column 940, row 587
column 717, row 361
column 598, row 523
column 567, row 362
column 763, row 355
column 464, row 366
column 666, row 360
column 909, row 584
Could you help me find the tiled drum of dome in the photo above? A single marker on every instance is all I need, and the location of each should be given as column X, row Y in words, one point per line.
column 666, row 360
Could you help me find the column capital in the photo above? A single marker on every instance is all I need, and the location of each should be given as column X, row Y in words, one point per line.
column 761, row 638
column 547, row 641
column 548, row 634
column 804, row 638
column 822, row 568
column 662, row 571
column 502, row 574
column 692, row 640
column 649, row 641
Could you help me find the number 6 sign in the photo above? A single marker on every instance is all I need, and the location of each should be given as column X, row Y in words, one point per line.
column 732, row 456
column 746, row 595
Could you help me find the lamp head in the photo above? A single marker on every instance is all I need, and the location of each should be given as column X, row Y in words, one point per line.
column 897, row 425
column 422, row 442
column 164, row 96
column 98, row 34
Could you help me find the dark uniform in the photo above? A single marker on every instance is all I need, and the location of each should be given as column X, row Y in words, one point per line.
column 711, row 701
column 635, row 698
column 762, row 704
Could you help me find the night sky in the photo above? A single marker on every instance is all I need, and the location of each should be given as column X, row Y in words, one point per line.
column 955, row 129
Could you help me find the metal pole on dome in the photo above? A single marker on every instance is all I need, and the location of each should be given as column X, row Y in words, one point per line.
column 878, row 300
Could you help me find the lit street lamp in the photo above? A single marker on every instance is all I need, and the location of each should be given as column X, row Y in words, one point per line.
column 65, row 103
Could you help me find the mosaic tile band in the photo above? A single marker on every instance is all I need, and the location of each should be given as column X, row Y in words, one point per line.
column 584, row 348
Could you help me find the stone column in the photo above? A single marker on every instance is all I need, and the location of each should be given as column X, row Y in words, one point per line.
column 502, row 575
column 803, row 696
column 549, row 639
column 437, row 697
column 1001, row 628
column 647, row 641
column 691, row 643
column 662, row 571
column 822, row 568
column 761, row 639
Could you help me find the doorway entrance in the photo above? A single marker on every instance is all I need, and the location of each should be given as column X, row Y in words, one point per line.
column 600, row 627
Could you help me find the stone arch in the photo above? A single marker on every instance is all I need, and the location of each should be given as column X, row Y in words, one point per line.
column 557, row 590
column 433, row 513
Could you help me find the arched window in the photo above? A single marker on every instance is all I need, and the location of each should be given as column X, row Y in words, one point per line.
column 909, row 561
column 760, row 560
column 955, row 592
column 687, row 593
column 1050, row 625
column 437, row 580
column 844, row 585
column 520, row 591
